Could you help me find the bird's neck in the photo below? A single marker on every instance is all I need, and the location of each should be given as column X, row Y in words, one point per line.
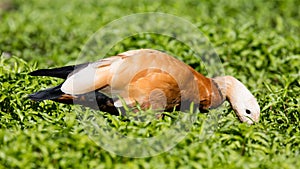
column 226, row 88
column 214, row 91
column 219, row 88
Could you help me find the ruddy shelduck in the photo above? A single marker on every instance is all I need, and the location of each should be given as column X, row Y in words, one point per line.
column 147, row 77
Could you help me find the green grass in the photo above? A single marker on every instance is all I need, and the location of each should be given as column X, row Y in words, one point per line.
column 257, row 42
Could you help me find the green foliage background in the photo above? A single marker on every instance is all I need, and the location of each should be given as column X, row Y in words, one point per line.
column 257, row 41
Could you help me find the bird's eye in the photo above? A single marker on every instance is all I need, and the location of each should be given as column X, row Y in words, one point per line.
column 248, row 111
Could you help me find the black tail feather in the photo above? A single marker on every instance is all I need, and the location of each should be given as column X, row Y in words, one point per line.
column 103, row 102
column 61, row 72
column 48, row 94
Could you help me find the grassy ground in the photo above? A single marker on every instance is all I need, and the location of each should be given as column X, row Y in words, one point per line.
column 258, row 43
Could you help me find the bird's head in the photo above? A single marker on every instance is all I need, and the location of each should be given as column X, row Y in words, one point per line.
column 242, row 101
column 246, row 108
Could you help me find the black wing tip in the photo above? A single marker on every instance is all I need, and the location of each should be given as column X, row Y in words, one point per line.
column 60, row 72
column 34, row 97
column 57, row 72
column 36, row 72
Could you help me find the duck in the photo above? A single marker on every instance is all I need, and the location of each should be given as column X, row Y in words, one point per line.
column 150, row 79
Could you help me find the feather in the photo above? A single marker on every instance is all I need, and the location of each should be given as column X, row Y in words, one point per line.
column 62, row 72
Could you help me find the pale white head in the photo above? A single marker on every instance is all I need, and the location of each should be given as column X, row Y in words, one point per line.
column 246, row 108
column 242, row 101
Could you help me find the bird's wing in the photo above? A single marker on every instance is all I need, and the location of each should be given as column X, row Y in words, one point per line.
column 94, row 76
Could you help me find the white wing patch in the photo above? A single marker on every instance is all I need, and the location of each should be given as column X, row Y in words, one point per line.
column 94, row 76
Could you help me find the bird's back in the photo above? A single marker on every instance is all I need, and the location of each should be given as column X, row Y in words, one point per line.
column 153, row 78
